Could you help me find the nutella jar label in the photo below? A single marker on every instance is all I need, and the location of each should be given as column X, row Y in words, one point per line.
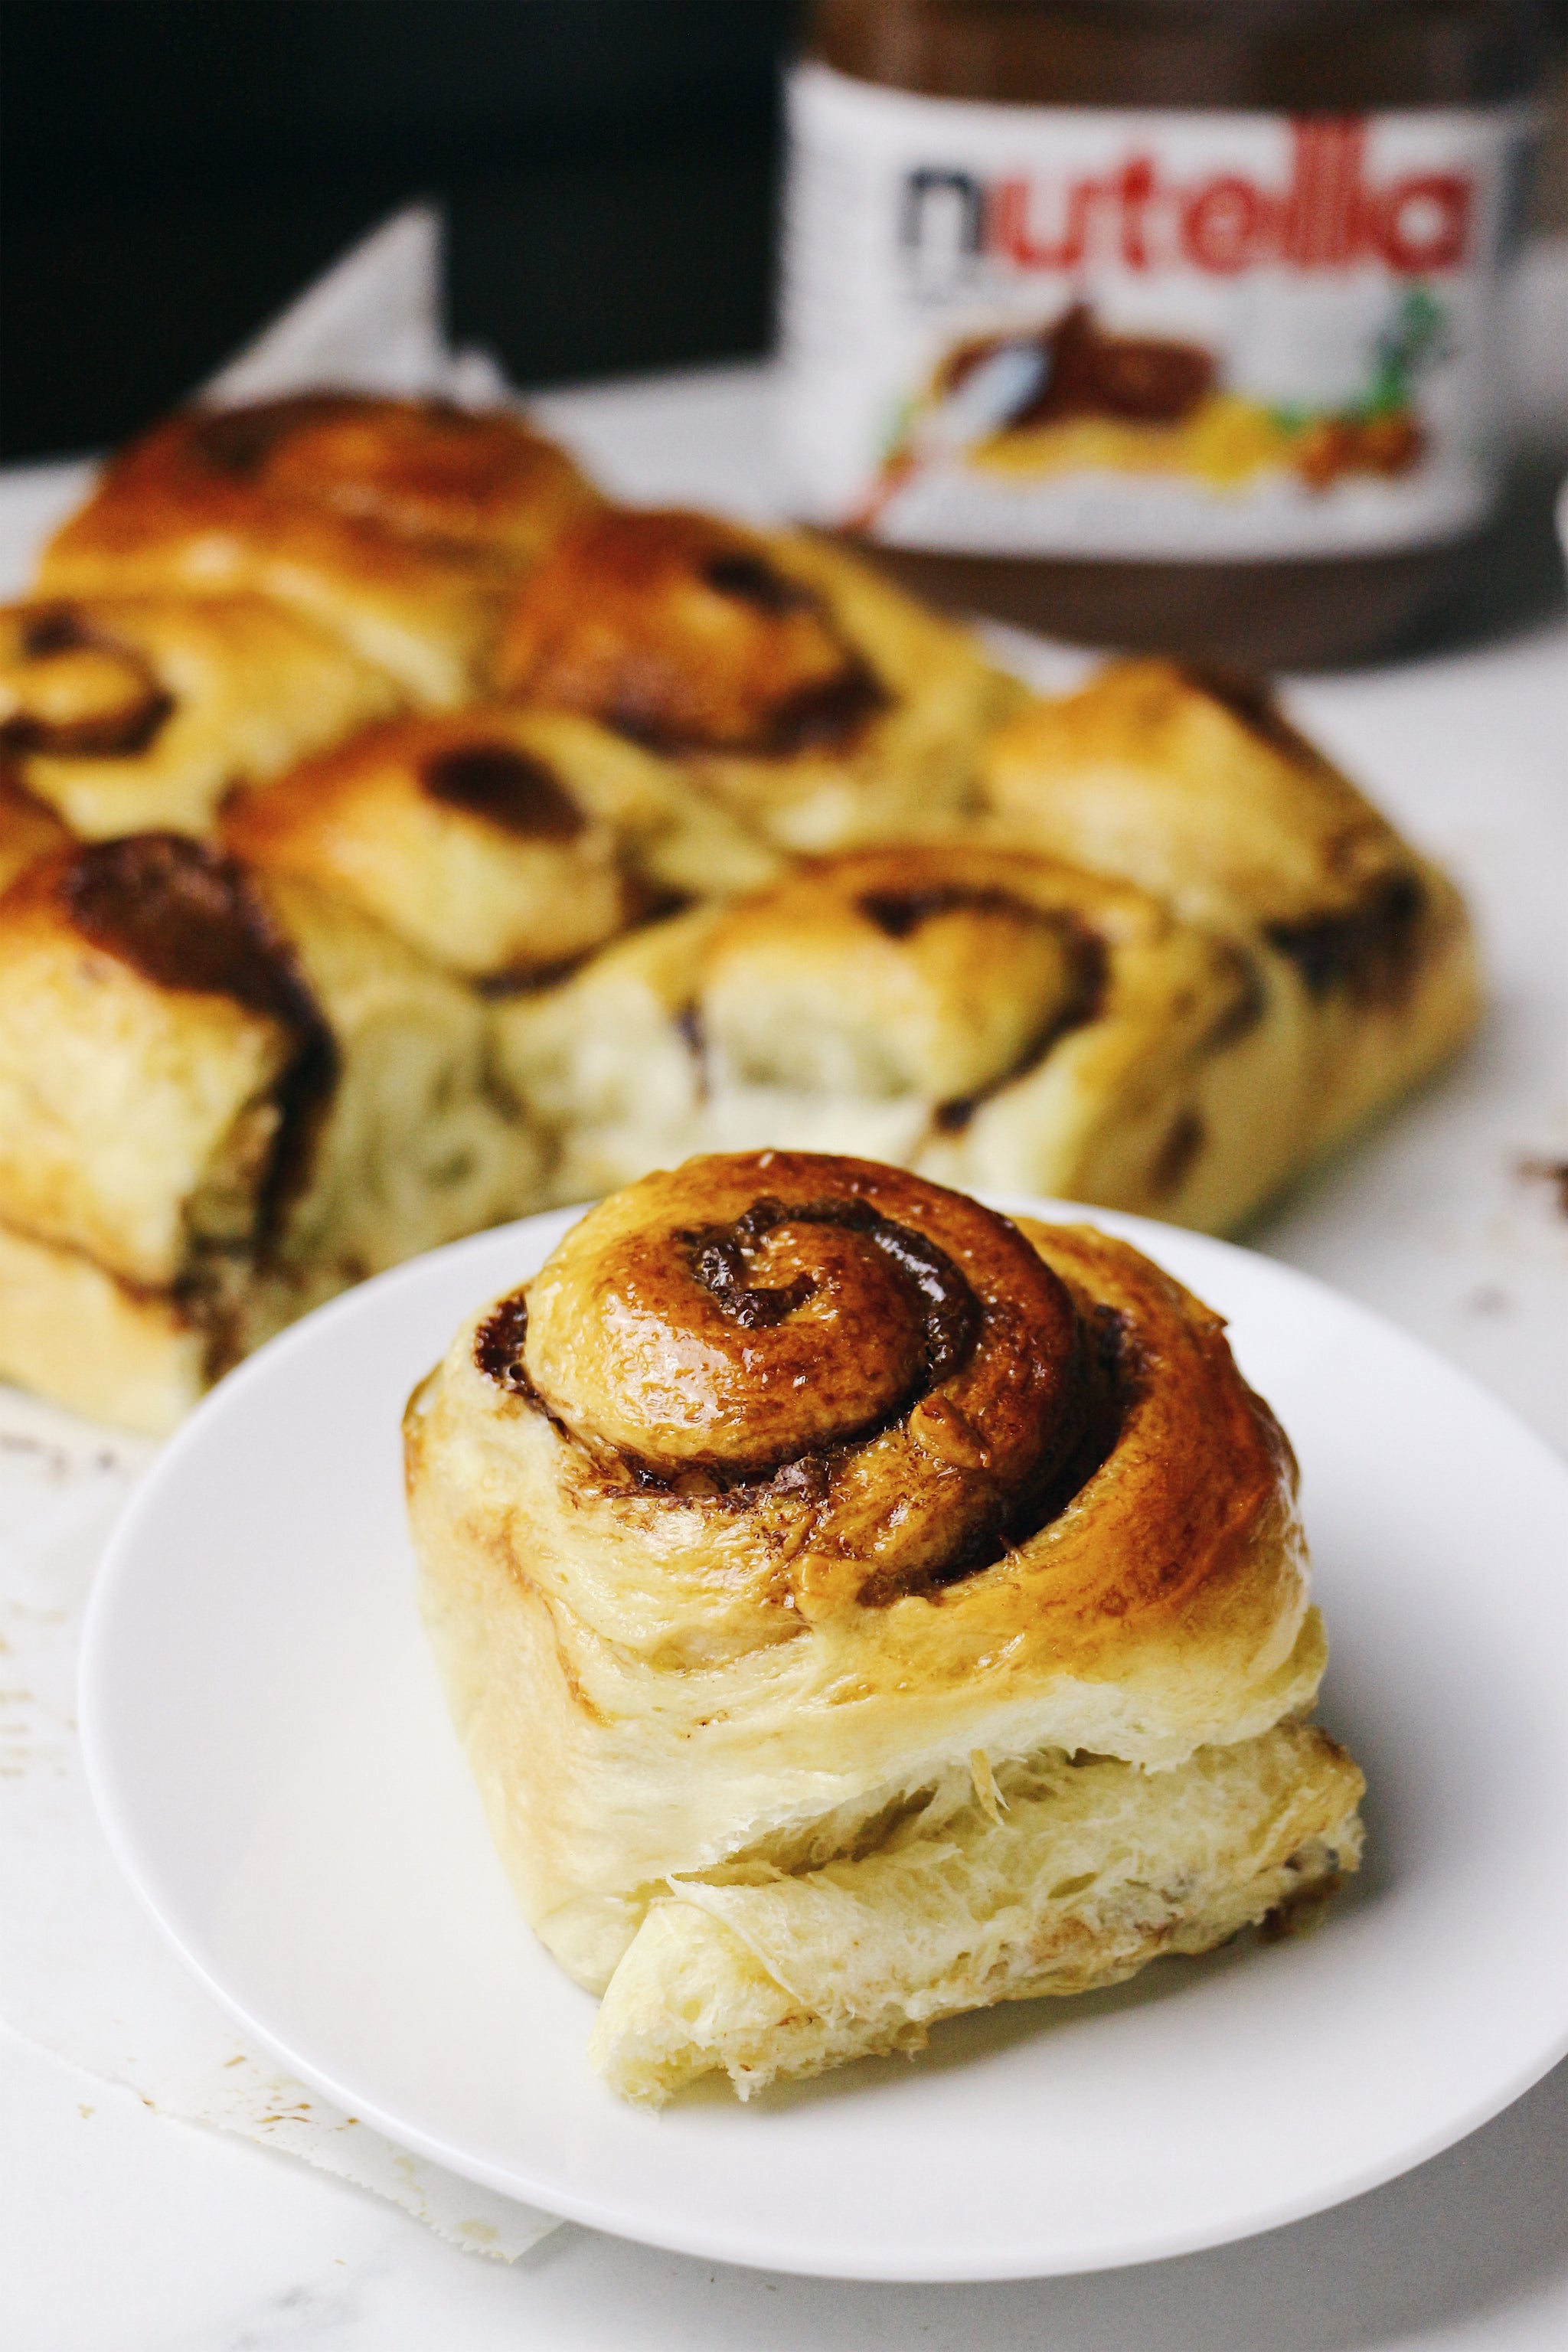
column 1034, row 330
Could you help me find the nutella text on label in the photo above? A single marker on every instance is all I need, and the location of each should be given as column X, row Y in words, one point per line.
column 1077, row 332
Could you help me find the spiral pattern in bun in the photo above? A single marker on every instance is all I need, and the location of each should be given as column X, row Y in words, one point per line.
column 793, row 1484
column 850, row 1336
column 821, row 703
column 138, row 713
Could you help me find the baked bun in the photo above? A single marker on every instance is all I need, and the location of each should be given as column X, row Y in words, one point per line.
column 1196, row 787
column 137, row 714
column 502, row 842
column 395, row 524
column 220, row 1101
column 822, row 704
column 986, row 1015
column 797, row 1516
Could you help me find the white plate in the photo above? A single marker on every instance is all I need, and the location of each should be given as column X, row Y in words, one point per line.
column 273, row 1763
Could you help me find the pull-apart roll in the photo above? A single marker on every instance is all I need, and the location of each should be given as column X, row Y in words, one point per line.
column 1196, row 787
column 137, row 714
column 859, row 1607
column 825, row 705
column 503, row 842
column 395, row 524
column 988, row 1016
column 221, row 1099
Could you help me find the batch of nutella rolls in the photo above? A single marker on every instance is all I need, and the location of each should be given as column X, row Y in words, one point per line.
column 857, row 1606
column 396, row 837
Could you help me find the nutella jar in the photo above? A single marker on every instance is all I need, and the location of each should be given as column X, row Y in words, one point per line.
column 1160, row 323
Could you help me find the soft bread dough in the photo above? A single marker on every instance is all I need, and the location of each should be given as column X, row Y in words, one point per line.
column 1196, row 787
column 137, row 714
column 396, row 525
column 822, row 704
column 501, row 841
column 989, row 1016
column 221, row 1100
column 668, row 1664
column 1055, row 1874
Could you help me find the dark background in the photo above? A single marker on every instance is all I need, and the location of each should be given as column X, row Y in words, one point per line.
column 172, row 171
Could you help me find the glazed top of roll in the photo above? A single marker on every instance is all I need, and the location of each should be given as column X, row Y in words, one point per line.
column 1194, row 785
column 819, row 1432
column 420, row 471
column 687, row 634
column 466, row 833
column 131, row 714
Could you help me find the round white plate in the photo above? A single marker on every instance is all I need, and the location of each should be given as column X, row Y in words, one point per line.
column 273, row 1763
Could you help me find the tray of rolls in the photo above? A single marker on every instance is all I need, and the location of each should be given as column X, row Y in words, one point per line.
column 398, row 836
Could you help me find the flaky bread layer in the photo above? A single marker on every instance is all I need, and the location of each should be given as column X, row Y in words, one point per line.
column 415, row 1149
column 122, row 1102
column 1057, row 1875
column 407, row 1148
column 641, row 1690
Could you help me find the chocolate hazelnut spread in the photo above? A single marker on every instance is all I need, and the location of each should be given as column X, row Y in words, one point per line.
column 1164, row 324
column 185, row 918
column 72, row 691
column 506, row 787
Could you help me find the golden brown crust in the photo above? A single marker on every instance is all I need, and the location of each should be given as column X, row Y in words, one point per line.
column 1196, row 787
column 704, row 1656
column 223, row 1097
column 409, row 472
column 128, row 714
column 990, row 1016
column 461, row 831
column 680, row 632
column 821, row 702
column 415, row 469
column 393, row 522
column 752, row 1313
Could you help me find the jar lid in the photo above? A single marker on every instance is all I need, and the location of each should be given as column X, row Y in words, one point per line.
column 1305, row 56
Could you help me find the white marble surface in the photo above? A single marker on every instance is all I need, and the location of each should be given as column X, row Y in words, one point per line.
column 126, row 2230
